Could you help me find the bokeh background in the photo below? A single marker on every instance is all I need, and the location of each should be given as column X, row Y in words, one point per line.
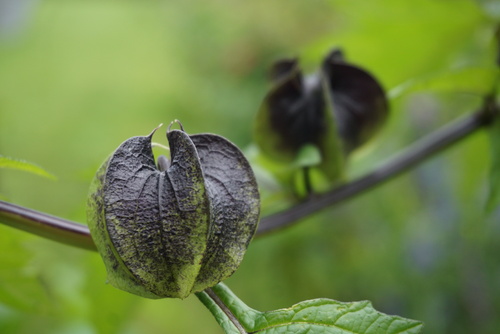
column 79, row 77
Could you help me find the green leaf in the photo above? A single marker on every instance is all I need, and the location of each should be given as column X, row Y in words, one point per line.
column 494, row 182
column 307, row 156
column 472, row 80
column 19, row 288
column 311, row 316
column 6, row 162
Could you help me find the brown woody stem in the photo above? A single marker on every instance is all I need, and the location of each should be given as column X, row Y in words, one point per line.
column 78, row 235
column 409, row 158
column 45, row 225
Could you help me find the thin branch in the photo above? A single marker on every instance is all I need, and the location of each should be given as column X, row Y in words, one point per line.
column 44, row 225
column 409, row 158
column 211, row 293
column 306, row 173
column 78, row 235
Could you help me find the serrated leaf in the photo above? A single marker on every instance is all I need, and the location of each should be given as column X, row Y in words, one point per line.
column 312, row 316
column 11, row 163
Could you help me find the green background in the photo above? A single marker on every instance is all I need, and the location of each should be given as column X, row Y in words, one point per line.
column 79, row 77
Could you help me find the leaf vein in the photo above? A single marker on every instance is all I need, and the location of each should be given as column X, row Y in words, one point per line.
column 304, row 323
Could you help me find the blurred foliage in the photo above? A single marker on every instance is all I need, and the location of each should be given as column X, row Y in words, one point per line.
column 11, row 163
column 79, row 77
column 493, row 200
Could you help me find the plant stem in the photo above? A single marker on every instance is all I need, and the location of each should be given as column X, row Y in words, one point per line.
column 223, row 307
column 306, row 173
column 44, row 225
column 410, row 157
column 78, row 235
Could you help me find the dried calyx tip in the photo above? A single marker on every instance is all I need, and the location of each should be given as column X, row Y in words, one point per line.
column 172, row 123
column 154, row 130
